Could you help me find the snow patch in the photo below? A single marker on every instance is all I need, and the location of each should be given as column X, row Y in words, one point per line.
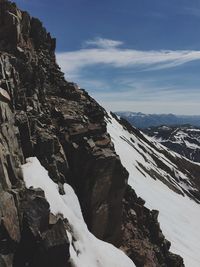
column 179, row 216
column 85, row 249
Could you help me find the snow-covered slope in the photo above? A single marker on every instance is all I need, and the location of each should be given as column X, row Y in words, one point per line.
column 184, row 140
column 165, row 181
column 85, row 249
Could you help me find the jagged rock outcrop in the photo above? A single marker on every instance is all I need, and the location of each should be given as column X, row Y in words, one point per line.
column 45, row 116
column 143, row 240
column 44, row 241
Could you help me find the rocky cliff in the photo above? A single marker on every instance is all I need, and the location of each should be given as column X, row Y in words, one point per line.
column 43, row 115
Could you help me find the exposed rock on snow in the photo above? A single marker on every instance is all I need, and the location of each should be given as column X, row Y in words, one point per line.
column 85, row 249
column 44, row 242
column 155, row 161
column 179, row 215
column 143, row 240
column 184, row 140
column 65, row 128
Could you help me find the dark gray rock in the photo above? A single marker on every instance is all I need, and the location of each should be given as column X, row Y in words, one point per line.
column 143, row 240
column 42, row 243
column 43, row 115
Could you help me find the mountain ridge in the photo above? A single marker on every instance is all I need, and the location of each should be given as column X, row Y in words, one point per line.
column 142, row 120
column 162, row 178
column 183, row 139
column 66, row 136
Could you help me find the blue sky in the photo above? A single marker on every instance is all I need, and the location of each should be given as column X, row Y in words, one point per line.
column 137, row 55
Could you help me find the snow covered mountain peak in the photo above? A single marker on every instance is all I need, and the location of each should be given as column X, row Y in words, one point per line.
column 184, row 140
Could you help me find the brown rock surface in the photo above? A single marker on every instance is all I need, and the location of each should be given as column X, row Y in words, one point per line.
column 143, row 240
column 45, row 116
column 42, row 244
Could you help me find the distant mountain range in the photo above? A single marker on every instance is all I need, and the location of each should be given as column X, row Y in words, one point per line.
column 184, row 140
column 142, row 120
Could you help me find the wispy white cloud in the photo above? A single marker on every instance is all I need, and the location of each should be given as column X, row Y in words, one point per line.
column 109, row 52
column 102, row 43
column 122, row 86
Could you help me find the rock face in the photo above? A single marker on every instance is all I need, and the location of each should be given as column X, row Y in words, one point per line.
column 45, row 116
column 143, row 240
column 42, row 243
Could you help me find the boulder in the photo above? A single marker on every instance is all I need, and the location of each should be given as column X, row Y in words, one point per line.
column 42, row 244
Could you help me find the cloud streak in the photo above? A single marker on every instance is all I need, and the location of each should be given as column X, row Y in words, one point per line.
column 131, row 79
column 103, row 43
column 109, row 52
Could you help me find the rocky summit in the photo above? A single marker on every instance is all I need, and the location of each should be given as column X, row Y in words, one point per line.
column 44, row 116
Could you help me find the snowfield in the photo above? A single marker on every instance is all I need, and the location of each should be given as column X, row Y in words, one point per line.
column 179, row 216
column 86, row 250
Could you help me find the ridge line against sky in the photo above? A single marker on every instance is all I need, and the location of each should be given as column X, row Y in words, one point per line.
column 136, row 55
